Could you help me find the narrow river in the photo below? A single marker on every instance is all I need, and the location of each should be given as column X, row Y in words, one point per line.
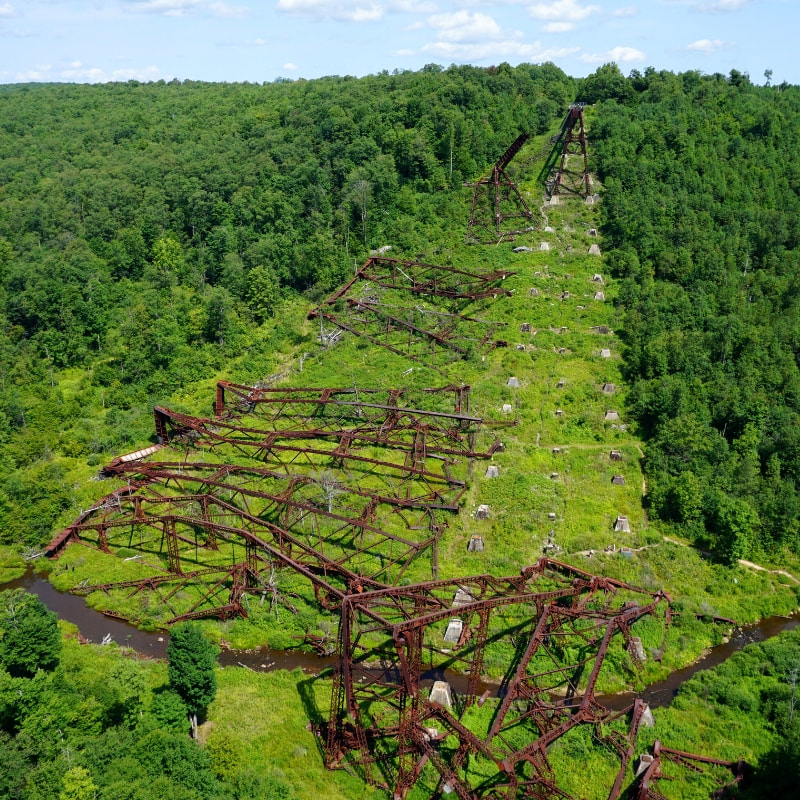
column 95, row 626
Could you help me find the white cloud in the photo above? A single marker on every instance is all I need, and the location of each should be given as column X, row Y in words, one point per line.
column 77, row 72
column 474, row 36
column 620, row 55
column 180, row 8
column 716, row 6
column 403, row 53
column 561, row 11
column 41, row 72
column 225, row 11
column 169, row 8
column 465, row 26
column 558, row 27
column 626, row 11
column 6, row 10
column 333, row 9
column 500, row 50
column 706, row 46
column 413, row 6
column 723, row 6
column 289, row 65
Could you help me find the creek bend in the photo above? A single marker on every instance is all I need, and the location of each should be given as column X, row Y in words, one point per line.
column 94, row 626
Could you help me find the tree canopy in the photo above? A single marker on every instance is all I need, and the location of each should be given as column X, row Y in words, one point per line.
column 29, row 636
column 192, row 658
column 701, row 215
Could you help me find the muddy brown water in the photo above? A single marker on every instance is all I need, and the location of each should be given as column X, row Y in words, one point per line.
column 94, row 626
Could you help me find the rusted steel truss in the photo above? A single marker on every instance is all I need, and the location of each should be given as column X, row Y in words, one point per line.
column 428, row 336
column 652, row 770
column 496, row 200
column 180, row 510
column 567, row 180
column 344, row 483
column 554, row 623
column 420, row 442
column 343, row 407
column 426, row 280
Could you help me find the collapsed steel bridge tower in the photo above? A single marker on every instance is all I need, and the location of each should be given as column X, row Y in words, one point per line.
column 496, row 200
column 345, row 487
column 552, row 626
column 384, row 304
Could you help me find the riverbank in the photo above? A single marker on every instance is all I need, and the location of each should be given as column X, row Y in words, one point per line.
column 96, row 627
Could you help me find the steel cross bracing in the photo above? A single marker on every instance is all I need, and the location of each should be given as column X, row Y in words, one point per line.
column 420, row 439
column 182, row 509
column 728, row 773
column 566, row 179
column 421, row 471
column 559, row 620
column 426, row 279
column 432, row 338
column 357, row 504
column 496, row 200
column 428, row 336
column 344, row 406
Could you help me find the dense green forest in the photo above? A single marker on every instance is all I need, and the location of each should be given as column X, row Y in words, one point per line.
column 702, row 210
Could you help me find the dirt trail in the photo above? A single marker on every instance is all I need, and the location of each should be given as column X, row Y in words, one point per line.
column 741, row 561
column 764, row 569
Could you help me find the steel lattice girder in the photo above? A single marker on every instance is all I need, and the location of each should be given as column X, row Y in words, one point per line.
column 343, row 407
column 496, row 200
column 446, row 338
column 428, row 452
column 387, row 509
column 177, row 504
column 566, row 619
column 574, row 143
column 645, row 788
column 216, row 591
column 426, row 279
column 427, row 336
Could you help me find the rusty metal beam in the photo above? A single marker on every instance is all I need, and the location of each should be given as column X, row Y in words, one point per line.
column 426, row 279
column 645, row 786
column 385, row 715
column 496, row 199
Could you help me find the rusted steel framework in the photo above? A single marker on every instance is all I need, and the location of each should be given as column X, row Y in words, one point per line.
column 426, row 280
column 652, row 770
column 371, row 306
column 342, row 407
column 554, row 622
column 411, row 466
column 216, row 591
column 496, row 200
column 567, row 179
column 345, row 483
column 181, row 510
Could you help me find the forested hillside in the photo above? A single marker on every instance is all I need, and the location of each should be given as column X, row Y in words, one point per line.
column 147, row 230
column 702, row 218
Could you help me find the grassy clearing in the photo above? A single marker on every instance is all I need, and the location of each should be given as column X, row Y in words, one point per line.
column 12, row 565
column 259, row 721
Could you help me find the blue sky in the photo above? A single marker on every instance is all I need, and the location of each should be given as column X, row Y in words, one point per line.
column 244, row 40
